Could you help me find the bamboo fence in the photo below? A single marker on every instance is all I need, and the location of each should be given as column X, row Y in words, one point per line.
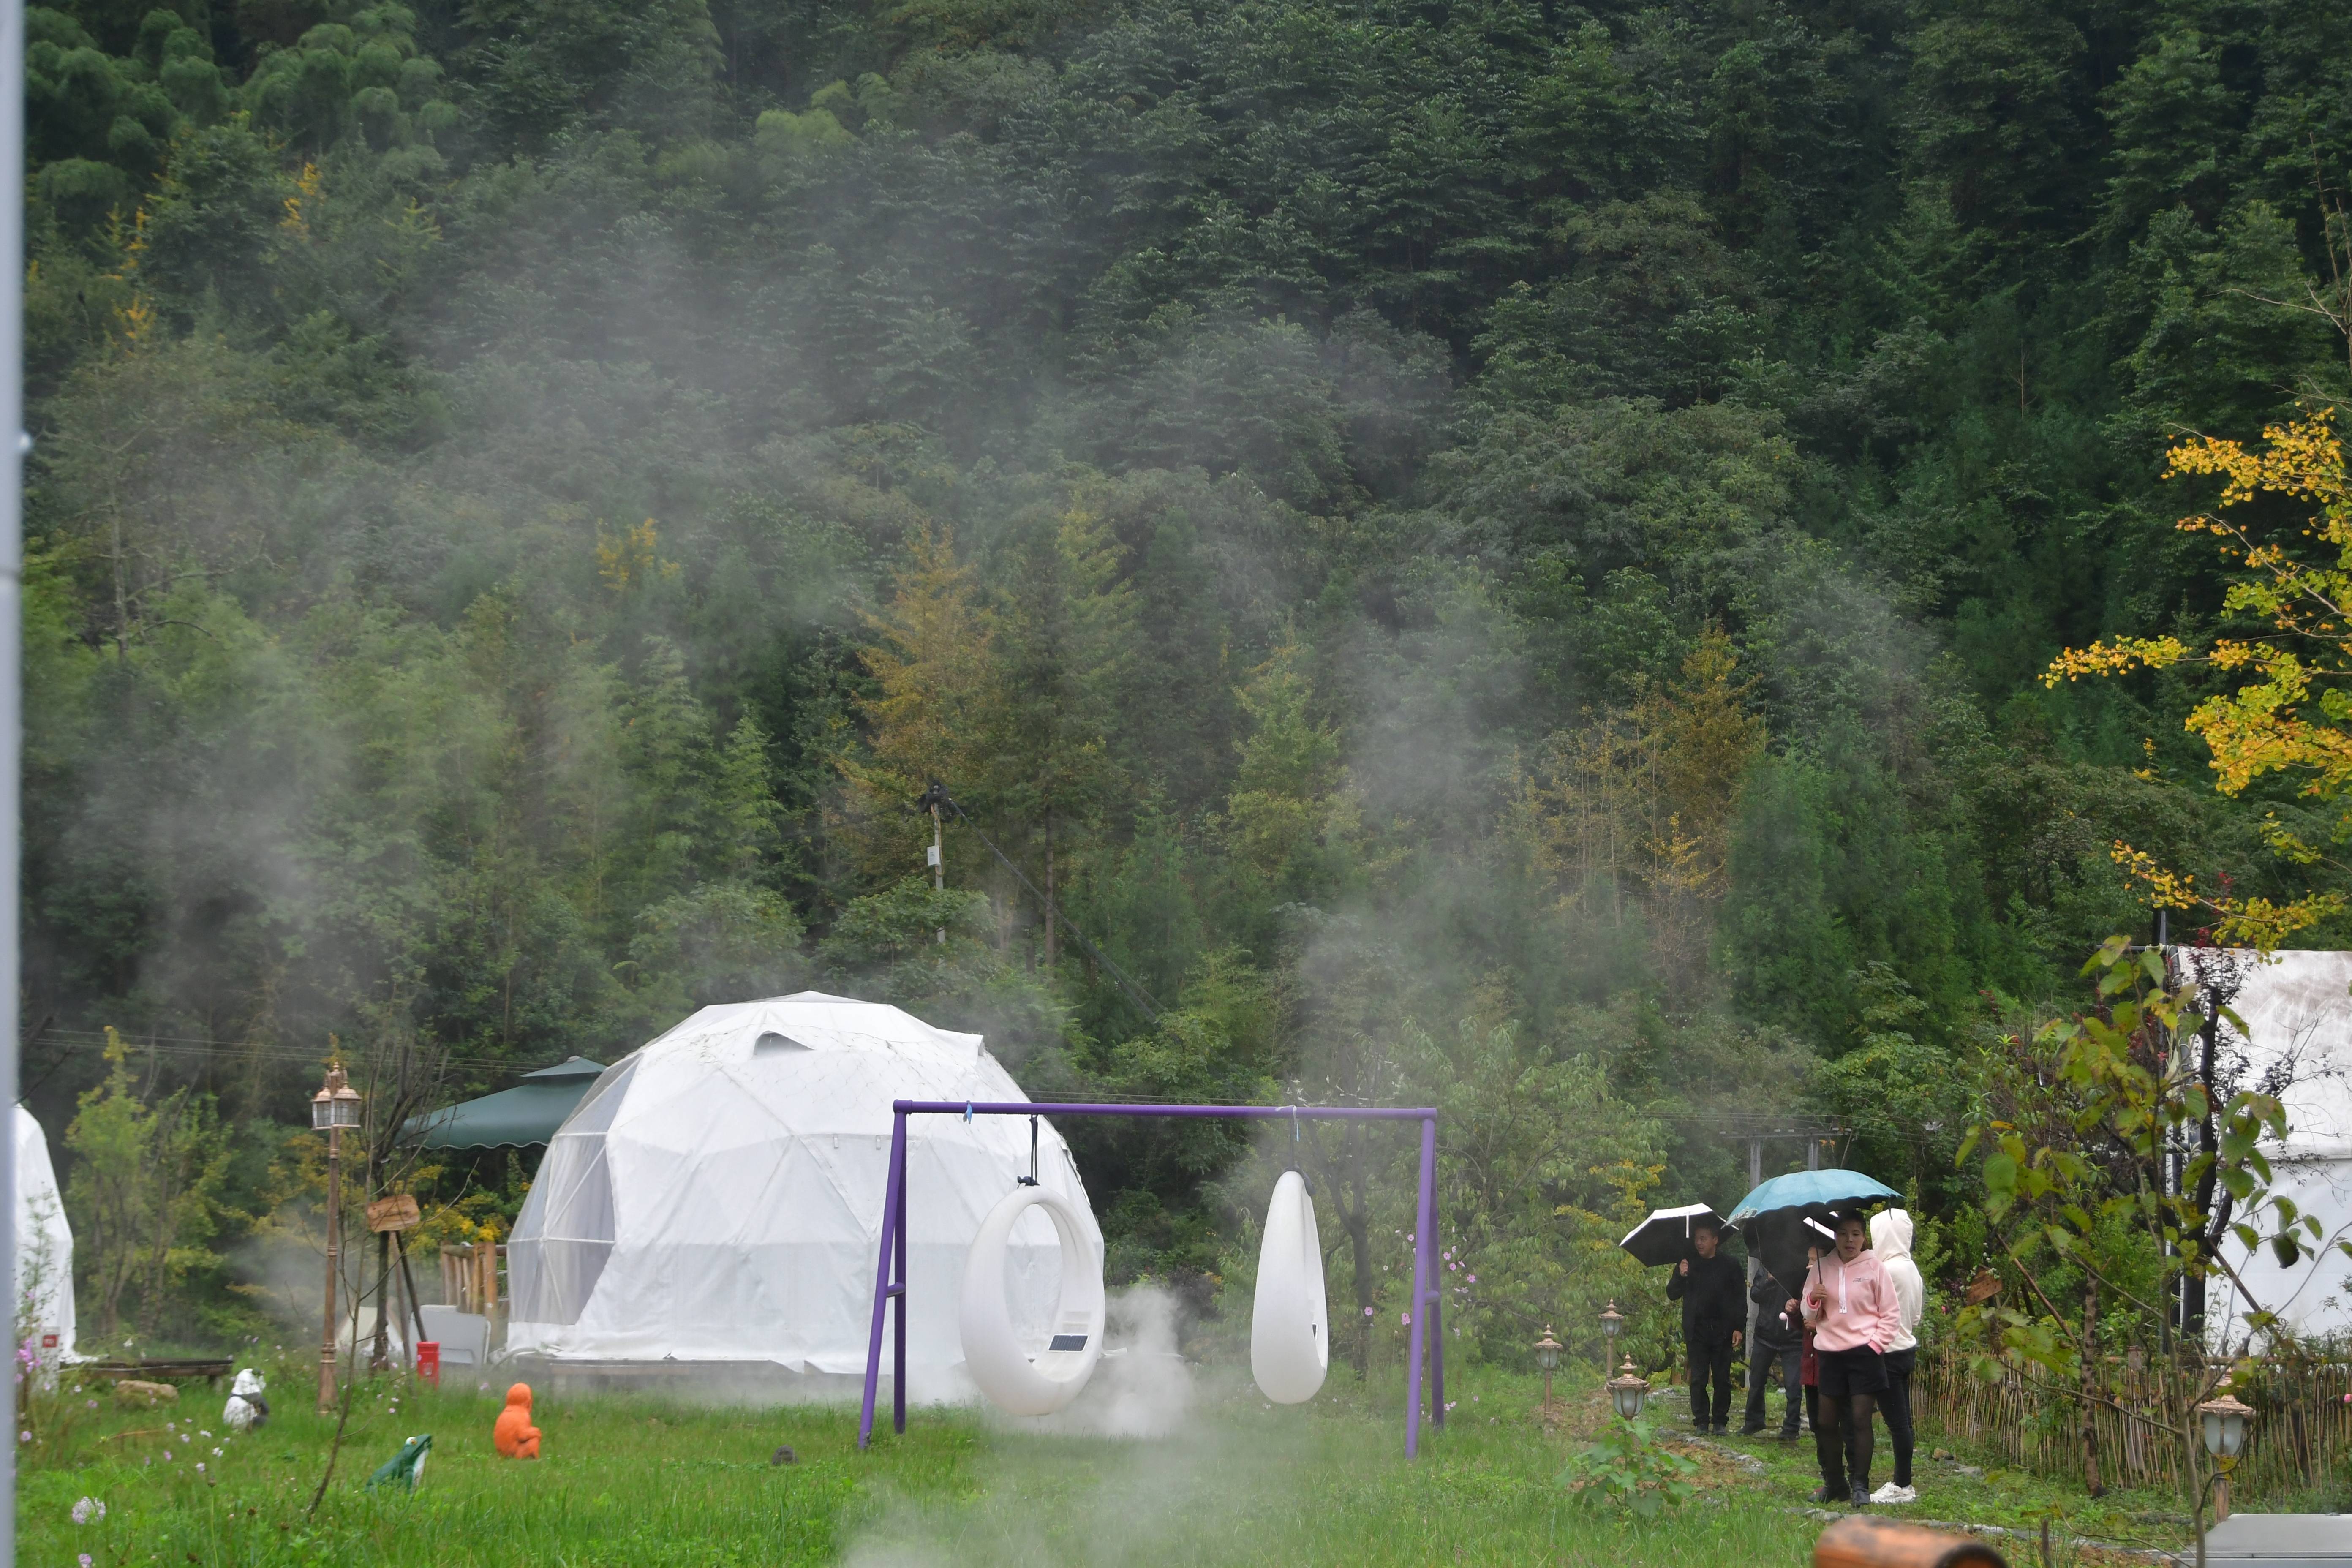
column 2301, row 1434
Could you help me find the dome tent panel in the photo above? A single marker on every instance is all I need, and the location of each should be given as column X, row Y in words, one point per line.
column 563, row 1237
column 748, row 1190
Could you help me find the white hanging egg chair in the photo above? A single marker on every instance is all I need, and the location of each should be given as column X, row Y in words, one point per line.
column 1020, row 1378
column 1290, row 1324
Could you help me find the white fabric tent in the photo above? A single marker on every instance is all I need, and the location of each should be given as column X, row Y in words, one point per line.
column 44, row 1247
column 718, row 1195
column 2297, row 1008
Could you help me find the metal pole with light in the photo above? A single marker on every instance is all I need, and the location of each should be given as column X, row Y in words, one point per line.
column 335, row 1107
column 1612, row 1320
column 1547, row 1351
column 1627, row 1390
column 2222, row 1421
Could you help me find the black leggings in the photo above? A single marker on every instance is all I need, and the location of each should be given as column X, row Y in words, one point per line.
column 1896, row 1405
column 1843, row 1436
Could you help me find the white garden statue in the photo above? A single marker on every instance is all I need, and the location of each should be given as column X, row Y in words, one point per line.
column 246, row 1409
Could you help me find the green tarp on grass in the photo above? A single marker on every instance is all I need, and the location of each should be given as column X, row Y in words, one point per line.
column 528, row 1113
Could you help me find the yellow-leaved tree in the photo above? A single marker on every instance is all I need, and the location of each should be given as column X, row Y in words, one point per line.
column 2290, row 711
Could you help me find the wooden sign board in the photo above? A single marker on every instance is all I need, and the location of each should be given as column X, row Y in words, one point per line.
column 397, row 1212
column 1983, row 1288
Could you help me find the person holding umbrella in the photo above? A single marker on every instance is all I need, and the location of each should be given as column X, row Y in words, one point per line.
column 1856, row 1315
column 1711, row 1288
column 1778, row 1347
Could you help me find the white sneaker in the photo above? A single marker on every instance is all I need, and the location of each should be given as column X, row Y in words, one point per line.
column 1891, row 1493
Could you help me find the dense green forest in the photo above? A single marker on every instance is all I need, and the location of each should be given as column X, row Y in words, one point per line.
column 1497, row 551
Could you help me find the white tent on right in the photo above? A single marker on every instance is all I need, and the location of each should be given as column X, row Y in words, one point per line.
column 2297, row 1009
column 44, row 1248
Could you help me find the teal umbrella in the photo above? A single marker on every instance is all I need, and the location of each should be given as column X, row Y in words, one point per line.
column 1774, row 1217
column 1812, row 1192
column 528, row 1113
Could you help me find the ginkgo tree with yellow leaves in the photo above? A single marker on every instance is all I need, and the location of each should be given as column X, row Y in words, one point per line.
column 2289, row 711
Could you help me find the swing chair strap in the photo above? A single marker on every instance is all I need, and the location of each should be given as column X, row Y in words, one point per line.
column 1031, row 1179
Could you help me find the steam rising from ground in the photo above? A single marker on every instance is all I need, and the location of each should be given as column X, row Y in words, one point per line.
column 1185, row 1485
column 1141, row 1386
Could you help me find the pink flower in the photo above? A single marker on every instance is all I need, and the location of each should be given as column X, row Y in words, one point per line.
column 1405, row 1317
column 1367, row 1312
column 200, row 1466
column 1474, row 1280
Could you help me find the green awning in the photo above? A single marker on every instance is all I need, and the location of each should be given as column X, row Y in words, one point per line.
column 526, row 1114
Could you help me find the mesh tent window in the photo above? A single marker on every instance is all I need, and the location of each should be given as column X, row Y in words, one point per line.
column 890, row 1268
column 568, row 1217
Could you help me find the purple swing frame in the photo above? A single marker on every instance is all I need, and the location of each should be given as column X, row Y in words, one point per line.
column 890, row 1270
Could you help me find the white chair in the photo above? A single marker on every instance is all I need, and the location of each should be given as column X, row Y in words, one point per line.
column 1021, row 1380
column 465, row 1337
column 1290, row 1326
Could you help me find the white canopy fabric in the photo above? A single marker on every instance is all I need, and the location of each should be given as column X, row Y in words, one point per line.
column 44, row 1247
column 2297, row 1008
column 718, row 1195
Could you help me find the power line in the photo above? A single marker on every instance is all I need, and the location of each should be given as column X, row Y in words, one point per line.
column 82, row 1040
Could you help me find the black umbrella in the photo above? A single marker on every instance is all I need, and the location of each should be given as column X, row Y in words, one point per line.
column 1665, row 1237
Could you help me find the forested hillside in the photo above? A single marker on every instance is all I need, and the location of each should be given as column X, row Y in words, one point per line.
column 1501, row 551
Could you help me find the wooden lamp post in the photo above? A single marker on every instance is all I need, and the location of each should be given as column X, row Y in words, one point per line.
column 1547, row 1351
column 335, row 1107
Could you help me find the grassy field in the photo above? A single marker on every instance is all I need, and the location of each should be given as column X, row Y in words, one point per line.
column 631, row 1481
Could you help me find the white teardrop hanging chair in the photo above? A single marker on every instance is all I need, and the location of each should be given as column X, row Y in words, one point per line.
column 1290, row 1325
column 1019, row 1374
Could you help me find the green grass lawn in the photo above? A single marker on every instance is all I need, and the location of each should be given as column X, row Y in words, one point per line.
column 634, row 1481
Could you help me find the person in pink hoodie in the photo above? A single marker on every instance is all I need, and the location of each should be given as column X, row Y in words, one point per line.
column 1856, row 1315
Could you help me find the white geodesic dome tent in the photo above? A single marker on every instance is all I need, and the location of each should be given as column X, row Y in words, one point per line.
column 718, row 1195
column 45, row 1298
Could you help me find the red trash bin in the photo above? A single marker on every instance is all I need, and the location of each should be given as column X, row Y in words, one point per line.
column 428, row 1360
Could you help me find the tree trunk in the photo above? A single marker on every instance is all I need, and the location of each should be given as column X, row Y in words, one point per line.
column 380, row 1352
column 1053, row 943
column 2209, row 1145
column 1343, row 1181
column 2089, row 1353
column 1356, row 1219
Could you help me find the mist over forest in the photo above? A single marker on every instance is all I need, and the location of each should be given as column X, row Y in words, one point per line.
column 1499, row 555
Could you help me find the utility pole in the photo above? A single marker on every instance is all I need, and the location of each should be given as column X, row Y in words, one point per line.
column 933, row 799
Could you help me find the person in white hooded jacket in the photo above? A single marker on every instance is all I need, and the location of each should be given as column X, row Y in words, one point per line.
column 1890, row 1239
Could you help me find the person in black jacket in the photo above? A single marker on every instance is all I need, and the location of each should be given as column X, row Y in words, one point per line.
column 1714, row 1295
column 1779, row 1346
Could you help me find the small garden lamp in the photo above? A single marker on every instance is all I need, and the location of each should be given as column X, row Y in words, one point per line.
column 2223, row 1420
column 335, row 1107
column 1627, row 1390
column 1612, row 1320
column 1547, row 1351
